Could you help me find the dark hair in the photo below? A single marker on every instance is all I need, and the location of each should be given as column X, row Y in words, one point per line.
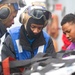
column 68, row 18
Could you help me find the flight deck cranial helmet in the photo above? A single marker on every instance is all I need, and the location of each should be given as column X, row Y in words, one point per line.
column 21, row 3
column 34, row 14
column 7, row 7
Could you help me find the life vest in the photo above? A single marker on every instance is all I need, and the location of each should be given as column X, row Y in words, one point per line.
column 22, row 54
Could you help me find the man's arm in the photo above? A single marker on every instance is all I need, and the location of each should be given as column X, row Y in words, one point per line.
column 8, row 48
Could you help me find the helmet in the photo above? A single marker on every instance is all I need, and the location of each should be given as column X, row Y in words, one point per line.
column 37, row 12
column 5, row 10
column 21, row 3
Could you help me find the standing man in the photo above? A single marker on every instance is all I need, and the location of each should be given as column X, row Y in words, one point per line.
column 8, row 12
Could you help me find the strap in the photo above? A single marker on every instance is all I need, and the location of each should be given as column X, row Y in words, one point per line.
column 48, row 67
column 10, row 63
column 69, row 52
column 5, row 65
column 40, row 59
column 25, row 63
column 41, row 49
column 19, row 46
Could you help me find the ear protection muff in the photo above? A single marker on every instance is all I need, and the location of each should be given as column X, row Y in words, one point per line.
column 6, row 9
column 21, row 18
column 4, row 12
column 24, row 18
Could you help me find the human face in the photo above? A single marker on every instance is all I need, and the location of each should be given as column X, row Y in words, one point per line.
column 36, row 28
column 10, row 20
column 69, row 30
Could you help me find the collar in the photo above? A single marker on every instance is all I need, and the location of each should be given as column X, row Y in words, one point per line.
column 26, row 45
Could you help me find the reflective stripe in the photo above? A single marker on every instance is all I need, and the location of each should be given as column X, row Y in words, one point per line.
column 19, row 46
column 3, row 38
column 40, row 49
column 1, row 43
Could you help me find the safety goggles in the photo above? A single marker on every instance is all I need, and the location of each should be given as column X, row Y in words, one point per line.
column 39, row 12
